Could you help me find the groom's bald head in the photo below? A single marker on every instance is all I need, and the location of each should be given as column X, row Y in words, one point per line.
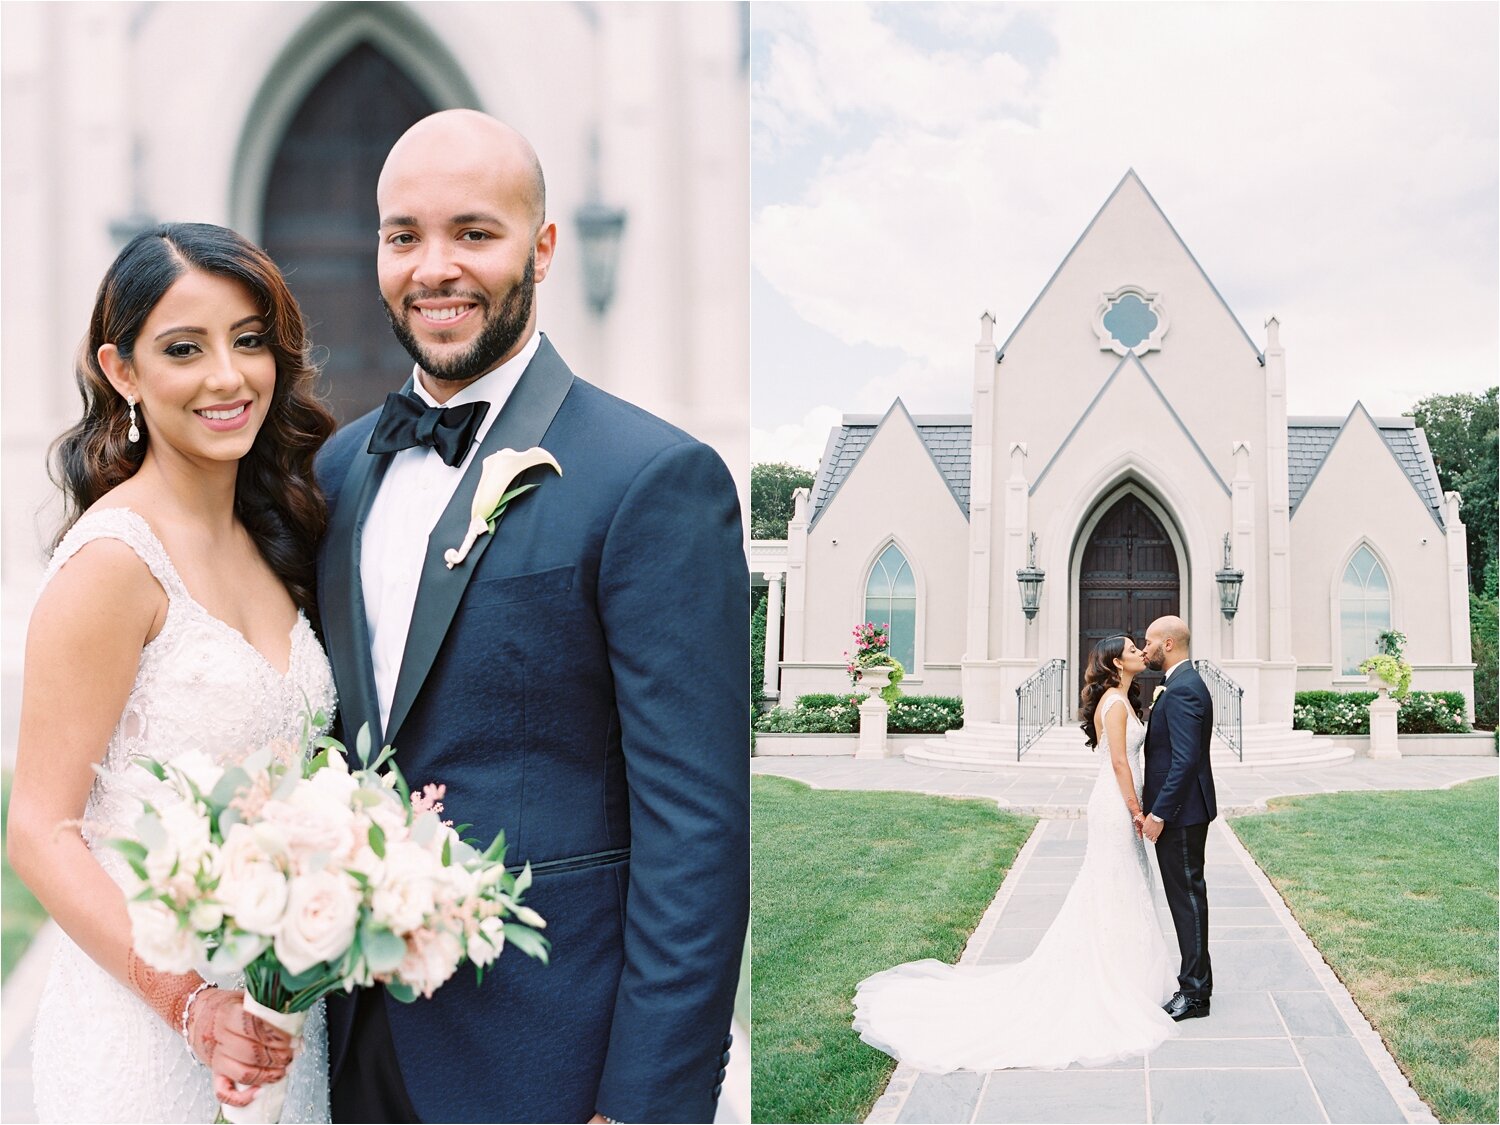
column 487, row 154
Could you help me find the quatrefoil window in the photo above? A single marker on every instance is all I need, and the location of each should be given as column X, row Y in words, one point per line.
column 1130, row 321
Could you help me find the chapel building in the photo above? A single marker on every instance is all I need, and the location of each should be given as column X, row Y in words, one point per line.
column 1130, row 454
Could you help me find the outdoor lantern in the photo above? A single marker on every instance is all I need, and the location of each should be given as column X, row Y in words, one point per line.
column 1229, row 583
column 599, row 232
column 1030, row 578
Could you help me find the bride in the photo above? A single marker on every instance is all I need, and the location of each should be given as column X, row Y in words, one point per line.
column 174, row 615
column 1092, row 991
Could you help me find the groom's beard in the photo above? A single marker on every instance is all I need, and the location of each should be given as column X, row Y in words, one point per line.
column 502, row 329
column 1155, row 663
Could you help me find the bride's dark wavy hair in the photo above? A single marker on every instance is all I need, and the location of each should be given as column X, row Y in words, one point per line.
column 1099, row 677
column 275, row 497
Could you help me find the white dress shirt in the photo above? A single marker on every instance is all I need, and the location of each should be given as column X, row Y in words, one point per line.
column 413, row 494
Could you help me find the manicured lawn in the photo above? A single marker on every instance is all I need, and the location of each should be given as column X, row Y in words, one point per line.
column 844, row 884
column 22, row 914
column 1398, row 892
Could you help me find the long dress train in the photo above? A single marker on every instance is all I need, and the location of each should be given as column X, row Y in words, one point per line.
column 1090, row 993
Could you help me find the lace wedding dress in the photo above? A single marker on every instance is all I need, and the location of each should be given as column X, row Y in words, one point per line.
column 99, row 1053
column 1090, row 993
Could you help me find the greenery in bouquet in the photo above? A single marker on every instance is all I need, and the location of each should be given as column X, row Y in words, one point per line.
column 306, row 876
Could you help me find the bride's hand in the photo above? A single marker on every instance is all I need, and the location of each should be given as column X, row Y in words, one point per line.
column 236, row 1046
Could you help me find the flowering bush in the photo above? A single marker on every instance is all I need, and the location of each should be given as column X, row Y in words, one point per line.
column 839, row 714
column 1421, row 712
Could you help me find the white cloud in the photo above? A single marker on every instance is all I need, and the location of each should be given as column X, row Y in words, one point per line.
column 1332, row 168
column 798, row 443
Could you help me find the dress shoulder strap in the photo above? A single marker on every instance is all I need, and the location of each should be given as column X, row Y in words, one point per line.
column 129, row 528
column 1110, row 701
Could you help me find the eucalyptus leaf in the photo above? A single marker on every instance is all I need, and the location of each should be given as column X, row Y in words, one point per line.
column 232, row 782
column 362, row 745
column 527, row 940
column 401, row 991
column 377, row 840
column 384, row 950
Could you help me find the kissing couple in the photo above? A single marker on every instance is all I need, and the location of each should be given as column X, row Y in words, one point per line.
column 577, row 675
column 1099, row 987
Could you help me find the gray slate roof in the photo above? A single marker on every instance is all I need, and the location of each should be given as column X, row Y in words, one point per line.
column 1310, row 439
column 948, row 438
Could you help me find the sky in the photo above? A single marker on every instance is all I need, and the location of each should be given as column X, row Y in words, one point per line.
column 914, row 165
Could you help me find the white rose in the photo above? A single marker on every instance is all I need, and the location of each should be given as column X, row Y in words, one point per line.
column 431, row 958
column 206, row 917
column 488, row 943
column 322, row 911
column 160, row 941
column 251, row 887
column 198, row 768
column 407, row 890
column 313, row 825
column 186, row 844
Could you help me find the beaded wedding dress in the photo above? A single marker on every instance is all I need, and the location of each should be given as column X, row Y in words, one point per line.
column 1091, row 992
column 99, row 1053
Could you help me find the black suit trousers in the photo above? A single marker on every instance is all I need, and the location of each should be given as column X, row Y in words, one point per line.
column 369, row 1085
column 1179, row 853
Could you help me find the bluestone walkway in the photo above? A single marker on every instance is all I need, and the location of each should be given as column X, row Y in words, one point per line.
column 1284, row 1043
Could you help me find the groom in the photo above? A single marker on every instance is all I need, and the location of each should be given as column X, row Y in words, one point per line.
column 580, row 679
column 1179, row 794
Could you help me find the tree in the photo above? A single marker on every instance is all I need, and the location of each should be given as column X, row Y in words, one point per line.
column 771, row 488
column 1462, row 433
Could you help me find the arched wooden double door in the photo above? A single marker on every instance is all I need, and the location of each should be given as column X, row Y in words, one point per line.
column 1128, row 578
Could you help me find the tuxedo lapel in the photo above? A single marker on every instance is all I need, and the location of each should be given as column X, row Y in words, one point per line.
column 521, row 424
column 342, row 599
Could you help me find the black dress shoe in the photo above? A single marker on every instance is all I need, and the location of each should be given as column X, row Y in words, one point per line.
column 1182, row 1007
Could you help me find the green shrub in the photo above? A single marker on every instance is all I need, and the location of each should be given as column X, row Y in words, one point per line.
column 1338, row 712
column 826, row 713
column 925, row 714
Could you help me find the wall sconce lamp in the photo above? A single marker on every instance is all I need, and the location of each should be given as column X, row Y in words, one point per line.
column 1030, row 577
column 1229, row 581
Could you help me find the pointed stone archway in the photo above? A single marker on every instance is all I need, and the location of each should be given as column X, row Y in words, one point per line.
column 1129, row 574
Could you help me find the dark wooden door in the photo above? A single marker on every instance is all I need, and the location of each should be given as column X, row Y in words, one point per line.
column 321, row 226
column 1128, row 579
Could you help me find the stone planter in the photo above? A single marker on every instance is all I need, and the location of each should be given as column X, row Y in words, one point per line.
column 875, row 679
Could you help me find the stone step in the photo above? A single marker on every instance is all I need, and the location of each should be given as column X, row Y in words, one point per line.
column 992, row 746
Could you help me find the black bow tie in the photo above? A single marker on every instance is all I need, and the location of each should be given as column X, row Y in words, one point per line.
column 406, row 421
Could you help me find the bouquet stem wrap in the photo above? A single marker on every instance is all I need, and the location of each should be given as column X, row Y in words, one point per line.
column 265, row 1108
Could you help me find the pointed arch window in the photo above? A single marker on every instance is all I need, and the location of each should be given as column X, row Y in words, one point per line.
column 891, row 598
column 1364, row 609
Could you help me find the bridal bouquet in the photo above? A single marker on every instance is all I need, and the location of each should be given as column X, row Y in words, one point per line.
column 306, row 876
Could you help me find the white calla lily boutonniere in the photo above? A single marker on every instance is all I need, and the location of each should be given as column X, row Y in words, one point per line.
column 501, row 468
column 1155, row 695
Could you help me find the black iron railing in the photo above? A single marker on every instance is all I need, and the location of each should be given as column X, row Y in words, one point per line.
column 1040, row 703
column 1229, row 723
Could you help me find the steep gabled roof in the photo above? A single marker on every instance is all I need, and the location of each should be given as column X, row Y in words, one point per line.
column 1310, row 439
column 945, row 436
column 948, row 438
column 1127, row 177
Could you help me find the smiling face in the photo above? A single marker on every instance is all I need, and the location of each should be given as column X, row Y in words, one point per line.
column 201, row 370
column 462, row 245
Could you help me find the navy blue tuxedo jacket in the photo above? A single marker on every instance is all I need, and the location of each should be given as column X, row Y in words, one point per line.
column 582, row 682
column 1179, row 783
